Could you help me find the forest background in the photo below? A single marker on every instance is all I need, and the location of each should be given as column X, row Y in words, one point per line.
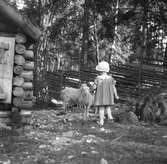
column 83, row 32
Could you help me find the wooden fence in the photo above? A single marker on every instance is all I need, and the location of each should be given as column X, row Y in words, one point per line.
column 132, row 79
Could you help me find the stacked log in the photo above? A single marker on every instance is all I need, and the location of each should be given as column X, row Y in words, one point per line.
column 23, row 74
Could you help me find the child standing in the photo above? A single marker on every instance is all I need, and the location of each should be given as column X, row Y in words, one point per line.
column 105, row 91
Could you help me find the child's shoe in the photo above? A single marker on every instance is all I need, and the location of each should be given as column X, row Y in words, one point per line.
column 110, row 121
column 100, row 123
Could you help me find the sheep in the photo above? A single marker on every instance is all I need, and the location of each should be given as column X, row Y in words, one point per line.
column 80, row 96
column 69, row 95
column 86, row 99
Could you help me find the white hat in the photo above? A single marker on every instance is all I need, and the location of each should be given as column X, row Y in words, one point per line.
column 103, row 66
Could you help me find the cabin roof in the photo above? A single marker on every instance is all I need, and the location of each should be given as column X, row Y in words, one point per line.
column 12, row 18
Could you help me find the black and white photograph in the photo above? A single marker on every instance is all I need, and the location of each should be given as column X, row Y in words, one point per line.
column 83, row 81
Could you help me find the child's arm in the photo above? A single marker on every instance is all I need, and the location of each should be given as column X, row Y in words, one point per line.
column 115, row 89
column 115, row 92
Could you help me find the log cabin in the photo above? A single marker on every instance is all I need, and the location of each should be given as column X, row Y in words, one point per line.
column 17, row 37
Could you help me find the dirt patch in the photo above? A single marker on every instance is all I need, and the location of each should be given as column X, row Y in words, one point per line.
column 70, row 139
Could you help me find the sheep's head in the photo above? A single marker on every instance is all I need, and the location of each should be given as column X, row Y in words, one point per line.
column 84, row 89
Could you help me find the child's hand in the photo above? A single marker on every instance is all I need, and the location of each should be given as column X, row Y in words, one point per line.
column 117, row 97
column 94, row 86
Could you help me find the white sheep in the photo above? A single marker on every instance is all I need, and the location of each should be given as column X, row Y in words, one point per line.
column 69, row 95
column 80, row 96
column 86, row 99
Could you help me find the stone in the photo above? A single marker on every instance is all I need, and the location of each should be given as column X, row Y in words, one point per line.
column 83, row 153
column 68, row 134
column 94, row 152
column 28, row 161
column 103, row 161
column 128, row 118
column 70, row 157
column 42, row 146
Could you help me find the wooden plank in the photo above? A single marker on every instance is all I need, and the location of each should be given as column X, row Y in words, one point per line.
column 4, row 45
column 2, row 96
column 6, row 68
column 127, row 77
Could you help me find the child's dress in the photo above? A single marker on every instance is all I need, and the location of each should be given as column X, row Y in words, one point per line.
column 104, row 95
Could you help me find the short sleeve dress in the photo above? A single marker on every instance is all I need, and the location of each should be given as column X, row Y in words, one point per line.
column 104, row 95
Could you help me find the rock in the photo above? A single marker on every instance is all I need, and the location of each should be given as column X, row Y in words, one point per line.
column 28, row 161
column 89, row 140
column 93, row 127
column 127, row 118
column 164, row 136
column 68, row 134
column 4, row 126
column 94, row 152
column 163, row 123
column 102, row 129
column 57, row 138
column 70, row 157
column 133, row 118
column 50, row 161
column 103, row 161
column 7, row 162
column 83, row 153
column 42, row 146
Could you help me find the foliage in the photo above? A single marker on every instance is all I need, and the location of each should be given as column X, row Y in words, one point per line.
column 116, row 29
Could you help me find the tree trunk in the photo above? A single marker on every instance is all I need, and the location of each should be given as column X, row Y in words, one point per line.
column 41, row 59
column 85, row 37
column 165, row 57
column 95, row 36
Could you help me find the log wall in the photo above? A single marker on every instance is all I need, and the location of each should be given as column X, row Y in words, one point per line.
column 23, row 74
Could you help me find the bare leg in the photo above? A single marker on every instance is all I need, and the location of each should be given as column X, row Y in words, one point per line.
column 108, row 111
column 101, row 114
column 96, row 110
column 87, row 111
column 86, row 115
column 64, row 106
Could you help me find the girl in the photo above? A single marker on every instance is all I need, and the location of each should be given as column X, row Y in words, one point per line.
column 105, row 91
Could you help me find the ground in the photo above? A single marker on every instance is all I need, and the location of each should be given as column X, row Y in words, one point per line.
column 54, row 139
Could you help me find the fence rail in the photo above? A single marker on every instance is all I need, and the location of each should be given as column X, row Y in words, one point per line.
column 132, row 79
